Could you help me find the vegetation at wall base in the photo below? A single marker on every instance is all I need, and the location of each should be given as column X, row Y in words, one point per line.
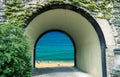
column 15, row 59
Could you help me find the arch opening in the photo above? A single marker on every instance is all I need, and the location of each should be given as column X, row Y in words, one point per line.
column 88, row 38
column 54, row 48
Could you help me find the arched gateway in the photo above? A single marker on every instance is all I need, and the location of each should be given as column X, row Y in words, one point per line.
column 86, row 32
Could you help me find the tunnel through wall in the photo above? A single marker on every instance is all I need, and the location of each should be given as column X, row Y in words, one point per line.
column 85, row 31
column 55, row 47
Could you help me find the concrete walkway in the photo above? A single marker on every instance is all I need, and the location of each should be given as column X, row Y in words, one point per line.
column 59, row 72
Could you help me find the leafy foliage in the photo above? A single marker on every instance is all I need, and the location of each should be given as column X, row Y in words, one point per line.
column 100, row 9
column 14, row 55
column 19, row 10
column 15, row 60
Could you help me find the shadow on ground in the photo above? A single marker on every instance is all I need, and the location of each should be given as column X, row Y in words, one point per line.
column 59, row 72
column 40, row 71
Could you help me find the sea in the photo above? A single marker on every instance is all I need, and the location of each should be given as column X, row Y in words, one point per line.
column 54, row 46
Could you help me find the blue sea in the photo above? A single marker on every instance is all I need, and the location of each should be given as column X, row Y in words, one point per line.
column 54, row 46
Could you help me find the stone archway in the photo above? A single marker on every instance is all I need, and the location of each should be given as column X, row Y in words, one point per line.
column 81, row 26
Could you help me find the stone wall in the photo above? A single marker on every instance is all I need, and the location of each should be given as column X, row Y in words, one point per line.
column 114, row 23
column 2, row 10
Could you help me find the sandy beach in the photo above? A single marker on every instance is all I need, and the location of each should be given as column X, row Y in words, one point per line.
column 52, row 64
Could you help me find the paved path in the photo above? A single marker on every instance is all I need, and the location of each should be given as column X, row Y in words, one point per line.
column 59, row 72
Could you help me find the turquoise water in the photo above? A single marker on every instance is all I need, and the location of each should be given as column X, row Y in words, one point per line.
column 54, row 46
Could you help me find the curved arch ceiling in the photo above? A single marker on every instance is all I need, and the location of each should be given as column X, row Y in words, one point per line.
column 89, row 48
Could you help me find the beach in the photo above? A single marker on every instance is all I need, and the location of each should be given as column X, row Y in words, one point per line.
column 52, row 64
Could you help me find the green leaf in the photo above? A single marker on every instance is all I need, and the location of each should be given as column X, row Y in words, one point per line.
column 8, row 56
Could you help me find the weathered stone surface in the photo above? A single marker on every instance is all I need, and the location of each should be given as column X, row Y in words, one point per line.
column 2, row 10
column 115, row 26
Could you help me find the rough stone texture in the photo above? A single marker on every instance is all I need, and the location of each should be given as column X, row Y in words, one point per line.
column 115, row 26
column 2, row 9
column 116, row 23
column 109, row 60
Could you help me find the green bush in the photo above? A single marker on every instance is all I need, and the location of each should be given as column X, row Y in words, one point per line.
column 15, row 59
